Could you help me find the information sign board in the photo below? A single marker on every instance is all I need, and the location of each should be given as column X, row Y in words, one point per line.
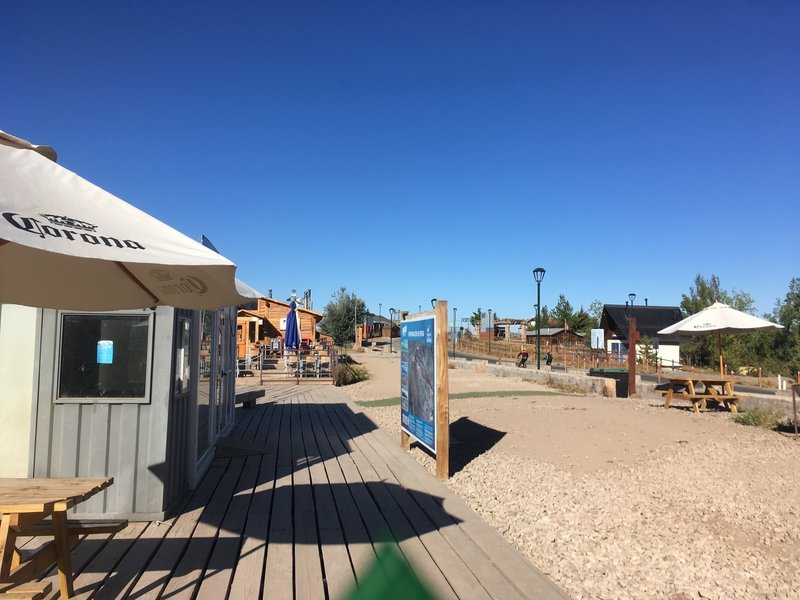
column 418, row 393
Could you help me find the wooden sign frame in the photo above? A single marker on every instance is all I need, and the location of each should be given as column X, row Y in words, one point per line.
column 442, row 383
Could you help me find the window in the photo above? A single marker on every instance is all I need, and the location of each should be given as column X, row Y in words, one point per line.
column 105, row 357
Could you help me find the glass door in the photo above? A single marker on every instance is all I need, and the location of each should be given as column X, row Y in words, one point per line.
column 207, row 381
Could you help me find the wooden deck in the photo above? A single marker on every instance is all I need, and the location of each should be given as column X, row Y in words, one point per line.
column 296, row 504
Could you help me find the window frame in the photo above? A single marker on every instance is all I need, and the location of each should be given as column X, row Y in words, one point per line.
column 151, row 324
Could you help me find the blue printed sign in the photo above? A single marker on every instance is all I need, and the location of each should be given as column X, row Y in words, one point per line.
column 105, row 352
column 418, row 380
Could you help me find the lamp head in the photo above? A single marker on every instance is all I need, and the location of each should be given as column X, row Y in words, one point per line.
column 538, row 274
column 433, row 302
column 631, row 297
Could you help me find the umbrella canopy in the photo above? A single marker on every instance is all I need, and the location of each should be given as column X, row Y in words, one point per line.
column 66, row 243
column 291, row 337
column 718, row 318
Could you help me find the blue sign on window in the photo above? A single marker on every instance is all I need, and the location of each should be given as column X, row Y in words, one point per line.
column 105, row 352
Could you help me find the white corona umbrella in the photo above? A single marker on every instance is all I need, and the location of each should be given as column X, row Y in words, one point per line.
column 718, row 318
column 66, row 243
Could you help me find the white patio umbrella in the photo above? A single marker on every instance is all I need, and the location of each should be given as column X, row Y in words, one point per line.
column 66, row 243
column 718, row 318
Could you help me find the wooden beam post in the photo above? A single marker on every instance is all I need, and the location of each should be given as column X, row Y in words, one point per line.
column 633, row 337
column 442, row 393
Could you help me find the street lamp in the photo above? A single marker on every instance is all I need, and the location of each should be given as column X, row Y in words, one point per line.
column 538, row 275
column 631, row 297
column 433, row 303
column 391, row 326
column 419, row 307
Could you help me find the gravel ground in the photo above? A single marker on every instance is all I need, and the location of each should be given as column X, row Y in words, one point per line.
column 621, row 498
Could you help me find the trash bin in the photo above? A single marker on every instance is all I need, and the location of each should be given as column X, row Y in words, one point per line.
column 621, row 376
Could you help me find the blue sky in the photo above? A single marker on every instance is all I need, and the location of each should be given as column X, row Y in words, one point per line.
column 435, row 149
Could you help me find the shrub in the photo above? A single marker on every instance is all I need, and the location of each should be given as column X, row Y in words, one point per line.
column 345, row 374
column 768, row 418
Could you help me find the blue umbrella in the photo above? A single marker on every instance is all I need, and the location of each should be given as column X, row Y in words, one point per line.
column 291, row 338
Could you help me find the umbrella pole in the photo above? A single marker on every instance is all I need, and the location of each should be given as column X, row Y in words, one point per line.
column 719, row 347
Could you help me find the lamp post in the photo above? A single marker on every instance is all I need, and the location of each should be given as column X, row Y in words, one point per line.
column 391, row 326
column 633, row 337
column 538, row 275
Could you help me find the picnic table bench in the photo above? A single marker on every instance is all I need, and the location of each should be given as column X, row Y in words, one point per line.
column 38, row 507
column 713, row 388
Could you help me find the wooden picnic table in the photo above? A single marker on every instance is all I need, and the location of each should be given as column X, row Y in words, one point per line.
column 713, row 388
column 26, row 504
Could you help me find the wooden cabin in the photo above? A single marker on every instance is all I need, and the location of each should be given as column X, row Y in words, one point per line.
column 265, row 326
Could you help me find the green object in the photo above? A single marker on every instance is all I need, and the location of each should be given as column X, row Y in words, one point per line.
column 461, row 395
column 619, row 374
column 390, row 578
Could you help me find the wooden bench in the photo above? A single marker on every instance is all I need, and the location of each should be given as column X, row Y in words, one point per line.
column 248, row 398
column 76, row 527
column 36, row 590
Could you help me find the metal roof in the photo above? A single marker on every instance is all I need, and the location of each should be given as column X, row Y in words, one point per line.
column 649, row 320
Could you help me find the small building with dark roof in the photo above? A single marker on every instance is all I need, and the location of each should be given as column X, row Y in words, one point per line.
column 649, row 321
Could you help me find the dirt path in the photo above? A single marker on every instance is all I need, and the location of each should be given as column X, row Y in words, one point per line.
column 620, row 498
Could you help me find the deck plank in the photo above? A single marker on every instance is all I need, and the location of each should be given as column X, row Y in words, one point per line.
column 169, row 551
column 102, row 566
column 217, row 577
column 279, row 569
column 249, row 573
column 339, row 574
column 307, row 559
column 359, row 546
column 126, row 573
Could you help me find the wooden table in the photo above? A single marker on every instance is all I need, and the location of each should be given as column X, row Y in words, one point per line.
column 714, row 388
column 24, row 504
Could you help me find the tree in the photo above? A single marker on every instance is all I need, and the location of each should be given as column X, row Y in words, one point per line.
column 562, row 311
column 475, row 320
column 702, row 350
column 787, row 340
column 596, row 311
column 648, row 355
column 545, row 316
column 341, row 315
column 582, row 322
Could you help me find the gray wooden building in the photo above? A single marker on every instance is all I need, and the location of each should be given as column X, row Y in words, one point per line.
column 139, row 395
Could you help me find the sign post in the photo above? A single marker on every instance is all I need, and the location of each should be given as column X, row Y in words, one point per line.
column 424, row 389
